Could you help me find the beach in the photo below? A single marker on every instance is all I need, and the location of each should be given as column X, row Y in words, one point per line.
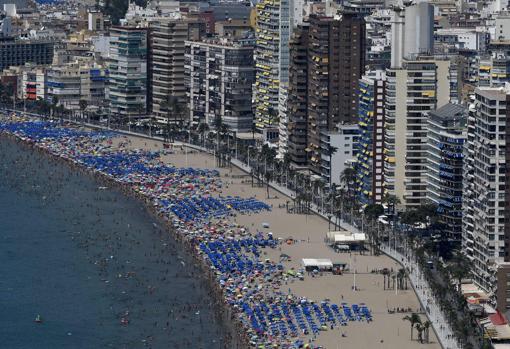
column 83, row 258
column 311, row 230
column 267, row 284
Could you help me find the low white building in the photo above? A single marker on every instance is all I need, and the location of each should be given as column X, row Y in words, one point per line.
column 344, row 143
column 502, row 27
column 474, row 39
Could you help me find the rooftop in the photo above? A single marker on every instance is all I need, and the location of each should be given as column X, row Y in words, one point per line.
column 498, row 93
column 450, row 111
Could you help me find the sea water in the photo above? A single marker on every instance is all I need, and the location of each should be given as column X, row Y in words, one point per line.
column 94, row 264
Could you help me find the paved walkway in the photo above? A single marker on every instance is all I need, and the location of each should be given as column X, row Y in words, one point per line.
column 440, row 325
column 420, row 285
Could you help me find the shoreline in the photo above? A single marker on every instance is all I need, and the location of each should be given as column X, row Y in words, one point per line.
column 224, row 315
column 282, row 223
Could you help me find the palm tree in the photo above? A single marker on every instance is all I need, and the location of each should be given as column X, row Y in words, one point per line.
column 174, row 107
column 459, row 268
column 330, row 151
column 401, row 277
column 385, row 276
column 218, row 123
column 42, row 106
column 413, row 320
column 420, row 329
column 348, row 176
column 54, row 104
column 268, row 176
column 203, row 127
column 392, row 201
column 61, row 111
column 6, row 92
column 373, row 211
column 321, row 185
column 83, row 105
column 426, row 327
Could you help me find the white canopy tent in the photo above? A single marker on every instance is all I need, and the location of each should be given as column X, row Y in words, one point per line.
column 345, row 237
column 317, row 263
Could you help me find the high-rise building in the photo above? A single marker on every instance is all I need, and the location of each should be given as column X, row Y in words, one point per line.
column 273, row 29
column 283, row 120
column 219, row 79
column 417, row 87
column 378, row 26
column 502, row 22
column 297, row 101
column 336, row 61
column 327, row 60
column 17, row 76
column 494, row 70
column 16, row 51
column 364, row 6
column 486, row 194
column 127, row 87
column 233, row 29
column 445, row 141
column 419, row 29
column 166, row 63
column 369, row 163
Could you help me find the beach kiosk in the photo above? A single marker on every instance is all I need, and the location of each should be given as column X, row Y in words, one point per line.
column 345, row 241
column 320, row 264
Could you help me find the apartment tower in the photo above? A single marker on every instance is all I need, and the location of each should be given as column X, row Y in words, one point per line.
column 273, row 28
column 297, row 101
column 486, row 194
column 369, row 163
column 416, row 88
column 336, row 61
column 219, row 79
column 127, row 87
column 445, row 145
column 166, row 64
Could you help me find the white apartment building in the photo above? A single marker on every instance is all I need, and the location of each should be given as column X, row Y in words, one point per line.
column 219, row 79
column 418, row 87
column 345, row 143
column 474, row 39
column 82, row 79
column 485, row 182
column 166, row 62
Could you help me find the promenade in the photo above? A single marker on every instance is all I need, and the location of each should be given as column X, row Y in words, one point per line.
column 387, row 330
column 435, row 315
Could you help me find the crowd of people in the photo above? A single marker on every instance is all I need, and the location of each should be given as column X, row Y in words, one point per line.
column 190, row 200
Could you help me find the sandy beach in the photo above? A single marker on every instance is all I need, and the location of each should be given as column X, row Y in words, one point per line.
column 387, row 330
column 248, row 276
